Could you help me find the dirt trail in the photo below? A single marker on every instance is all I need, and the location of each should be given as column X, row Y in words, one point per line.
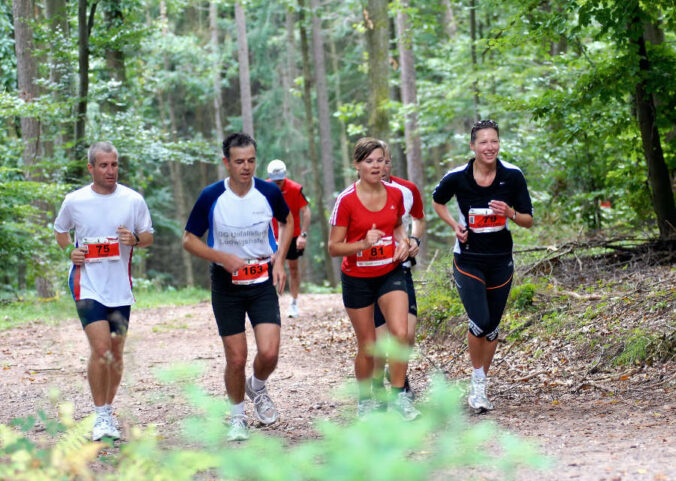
column 593, row 436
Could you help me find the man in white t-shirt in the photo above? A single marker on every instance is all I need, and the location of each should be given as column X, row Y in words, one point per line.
column 109, row 221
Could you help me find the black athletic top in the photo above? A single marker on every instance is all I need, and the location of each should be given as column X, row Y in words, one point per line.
column 508, row 186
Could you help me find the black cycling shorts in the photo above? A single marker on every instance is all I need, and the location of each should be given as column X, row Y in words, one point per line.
column 90, row 311
column 293, row 253
column 483, row 283
column 231, row 303
column 359, row 292
column 378, row 317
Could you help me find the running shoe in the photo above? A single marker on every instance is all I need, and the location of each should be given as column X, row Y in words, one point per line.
column 264, row 408
column 238, row 429
column 103, row 427
column 366, row 407
column 403, row 404
column 408, row 389
column 293, row 310
column 113, row 416
column 477, row 399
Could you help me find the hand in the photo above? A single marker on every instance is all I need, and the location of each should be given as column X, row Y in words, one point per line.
column 301, row 242
column 413, row 248
column 402, row 250
column 461, row 233
column 372, row 236
column 126, row 236
column 501, row 208
column 279, row 277
column 232, row 263
column 78, row 256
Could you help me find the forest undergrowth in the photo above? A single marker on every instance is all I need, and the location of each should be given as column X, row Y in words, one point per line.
column 581, row 317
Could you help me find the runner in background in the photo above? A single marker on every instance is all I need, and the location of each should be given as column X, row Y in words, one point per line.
column 109, row 221
column 300, row 209
column 489, row 192
column 414, row 222
column 238, row 212
column 368, row 233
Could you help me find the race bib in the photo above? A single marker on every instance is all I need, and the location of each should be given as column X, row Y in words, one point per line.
column 255, row 272
column 485, row 220
column 101, row 249
column 379, row 254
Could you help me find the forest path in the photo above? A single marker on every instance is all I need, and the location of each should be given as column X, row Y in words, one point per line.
column 592, row 435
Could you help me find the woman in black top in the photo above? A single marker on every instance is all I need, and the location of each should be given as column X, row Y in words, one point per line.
column 490, row 194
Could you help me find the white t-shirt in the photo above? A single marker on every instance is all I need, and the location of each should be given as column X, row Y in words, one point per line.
column 94, row 215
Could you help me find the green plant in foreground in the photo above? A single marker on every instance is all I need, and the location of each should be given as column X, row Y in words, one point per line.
column 442, row 444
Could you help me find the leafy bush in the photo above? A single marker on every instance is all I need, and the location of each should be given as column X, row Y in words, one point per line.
column 381, row 447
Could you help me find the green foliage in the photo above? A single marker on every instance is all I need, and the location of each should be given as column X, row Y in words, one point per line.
column 381, row 447
column 439, row 305
column 521, row 296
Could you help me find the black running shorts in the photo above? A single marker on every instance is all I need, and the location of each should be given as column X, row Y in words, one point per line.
column 293, row 253
column 378, row 317
column 231, row 303
column 359, row 292
column 90, row 311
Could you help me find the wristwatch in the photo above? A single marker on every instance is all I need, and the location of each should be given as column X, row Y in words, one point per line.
column 303, row 234
column 415, row 239
column 138, row 240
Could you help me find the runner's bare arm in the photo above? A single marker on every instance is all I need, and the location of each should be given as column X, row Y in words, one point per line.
column 197, row 247
column 305, row 216
column 285, row 236
column 339, row 248
column 442, row 212
column 77, row 255
column 127, row 237
column 403, row 242
column 417, row 231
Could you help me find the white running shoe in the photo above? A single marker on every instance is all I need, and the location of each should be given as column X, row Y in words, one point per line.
column 264, row 408
column 103, row 428
column 477, row 399
column 403, row 404
column 293, row 310
column 238, row 429
column 366, row 407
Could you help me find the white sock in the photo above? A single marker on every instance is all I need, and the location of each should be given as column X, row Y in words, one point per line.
column 294, row 301
column 109, row 408
column 237, row 409
column 478, row 372
column 101, row 411
column 257, row 384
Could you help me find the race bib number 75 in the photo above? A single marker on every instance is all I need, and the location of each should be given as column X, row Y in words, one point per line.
column 101, row 249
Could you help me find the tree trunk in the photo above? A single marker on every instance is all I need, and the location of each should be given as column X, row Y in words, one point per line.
column 344, row 148
column 244, row 80
column 658, row 174
column 377, row 35
column 472, row 28
column 83, row 28
column 218, row 95
column 175, row 168
column 449, row 24
column 409, row 96
column 57, row 15
column 115, row 61
column 312, row 147
column 326, row 147
column 27, row 71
